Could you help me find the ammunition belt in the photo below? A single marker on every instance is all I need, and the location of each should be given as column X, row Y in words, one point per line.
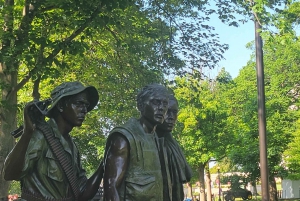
column 32, row 196
column 59, row 152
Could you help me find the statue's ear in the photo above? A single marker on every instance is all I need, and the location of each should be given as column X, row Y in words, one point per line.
column 60, row 105
column 140, row 107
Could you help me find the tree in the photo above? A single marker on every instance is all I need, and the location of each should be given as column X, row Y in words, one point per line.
column 281, row 70
column 243, row 120
column 203, row 115
column 33, row 34
column 291, row 158
column 236, row 180
column 283, row 78
column 43, row 43
column 278, row 118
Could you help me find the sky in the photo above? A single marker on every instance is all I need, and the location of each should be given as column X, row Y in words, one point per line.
column 236, row 37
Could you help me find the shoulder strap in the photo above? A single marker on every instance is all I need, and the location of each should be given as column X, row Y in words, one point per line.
column 58, row 151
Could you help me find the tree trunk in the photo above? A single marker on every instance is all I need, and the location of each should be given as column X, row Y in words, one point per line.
column 273, row 189
column 8, row 79
column 208, row 182
column 201, row 181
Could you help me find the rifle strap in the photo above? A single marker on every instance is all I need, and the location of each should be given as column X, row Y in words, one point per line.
column 59, row 152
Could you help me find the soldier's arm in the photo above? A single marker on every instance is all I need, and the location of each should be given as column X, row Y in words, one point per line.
column 115, row 166
column 14, row 162
column 93, row 183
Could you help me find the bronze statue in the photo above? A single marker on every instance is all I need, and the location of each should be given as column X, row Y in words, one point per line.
column 45, row 159
column 135, row 166
column 180, row 171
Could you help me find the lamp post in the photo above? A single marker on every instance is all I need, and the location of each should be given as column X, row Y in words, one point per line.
column 219, row 183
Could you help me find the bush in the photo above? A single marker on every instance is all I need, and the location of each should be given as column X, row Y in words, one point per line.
column 15, row 188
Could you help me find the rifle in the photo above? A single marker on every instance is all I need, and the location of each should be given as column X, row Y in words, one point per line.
column 37, row 112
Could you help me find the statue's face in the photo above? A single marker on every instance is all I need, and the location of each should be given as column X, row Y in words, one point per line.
column 155, row 108
column 170, row 118
column 75, row 109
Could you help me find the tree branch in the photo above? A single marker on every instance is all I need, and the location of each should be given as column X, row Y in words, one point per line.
column 58, row 48
column 29, row 12
column 112, row 33
column 8, row 24
column 35, row 92
column 256, row 17
column 47, row 8
column 115, row 36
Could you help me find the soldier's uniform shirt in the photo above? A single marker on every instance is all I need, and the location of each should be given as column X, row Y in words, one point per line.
column 42, row 173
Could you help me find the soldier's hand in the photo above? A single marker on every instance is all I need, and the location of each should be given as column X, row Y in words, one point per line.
column 29, row 124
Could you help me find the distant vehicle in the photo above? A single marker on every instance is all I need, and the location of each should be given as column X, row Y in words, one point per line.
column 231, row 194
